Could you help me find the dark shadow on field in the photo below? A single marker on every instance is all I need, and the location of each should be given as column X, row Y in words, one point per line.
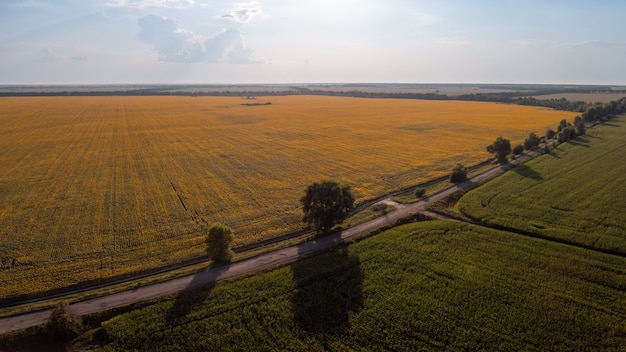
column 577, row 142
column 581, row 139
column 328, row 288
column 194, row 294
column 526, row 172
column 553, row 155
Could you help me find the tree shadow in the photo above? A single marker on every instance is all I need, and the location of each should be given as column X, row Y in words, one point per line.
column 328, row 288
column 581, row 139
column 526, row 172
column 579, row 143
column 194, row 294
column 552, row 154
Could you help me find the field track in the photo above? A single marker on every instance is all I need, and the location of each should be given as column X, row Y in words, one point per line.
column 97, row 187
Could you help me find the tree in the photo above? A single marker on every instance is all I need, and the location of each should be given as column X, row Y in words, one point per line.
column 518, row 149
column 63, row 325
column 326, row 203
column 459, row 173
column 568, row 133
column 501, row 148
column 420, row 192
column 218, row 239
column 550, row 134
column 591, row 114
column 532, row 141
column 579, row 126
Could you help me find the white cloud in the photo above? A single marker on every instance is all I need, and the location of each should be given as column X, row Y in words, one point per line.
column 175, row 44
column 243, row 12
column 228, row 46
column 425, row 20
column 143, row 4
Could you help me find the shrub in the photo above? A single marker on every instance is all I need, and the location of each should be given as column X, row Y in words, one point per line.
column 420, row 192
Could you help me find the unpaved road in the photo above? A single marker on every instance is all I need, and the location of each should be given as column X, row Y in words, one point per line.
column 264, row 261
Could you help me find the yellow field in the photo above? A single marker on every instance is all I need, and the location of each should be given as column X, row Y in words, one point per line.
column 93, row 187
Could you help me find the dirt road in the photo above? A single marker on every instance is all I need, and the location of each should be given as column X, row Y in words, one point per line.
column 264, row 261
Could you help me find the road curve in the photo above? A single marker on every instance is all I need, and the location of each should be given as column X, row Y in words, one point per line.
column 261, row 262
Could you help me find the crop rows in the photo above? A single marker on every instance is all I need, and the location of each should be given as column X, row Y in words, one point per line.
column 573, row 195
column 423, row 286
column 94, row 187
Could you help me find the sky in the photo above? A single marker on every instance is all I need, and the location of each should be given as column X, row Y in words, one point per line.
column 312, row 41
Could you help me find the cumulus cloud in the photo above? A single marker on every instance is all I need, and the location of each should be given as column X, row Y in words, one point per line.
column 143, row 4
column 175, row 44
column 243, row 12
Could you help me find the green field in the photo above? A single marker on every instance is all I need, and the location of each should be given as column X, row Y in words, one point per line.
column 576, row 194
column 423, row 286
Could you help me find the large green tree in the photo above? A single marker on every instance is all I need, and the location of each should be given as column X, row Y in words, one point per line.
column 501, row 147
column 325, row 204
column 218, row 239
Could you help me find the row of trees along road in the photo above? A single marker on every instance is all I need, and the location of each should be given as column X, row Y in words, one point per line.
column 566, row 131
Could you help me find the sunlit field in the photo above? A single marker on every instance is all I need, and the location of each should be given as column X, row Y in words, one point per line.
column 94, row 187
column 575, row 194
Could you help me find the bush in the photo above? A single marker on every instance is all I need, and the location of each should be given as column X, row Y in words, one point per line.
column 380, row 207
column 518, row 149
column 420, row 192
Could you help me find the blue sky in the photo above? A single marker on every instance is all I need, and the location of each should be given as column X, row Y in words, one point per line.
column 272, row 41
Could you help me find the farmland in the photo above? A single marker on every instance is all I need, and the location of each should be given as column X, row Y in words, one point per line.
column 96, row 187
column 423, row 286
column 574, row 194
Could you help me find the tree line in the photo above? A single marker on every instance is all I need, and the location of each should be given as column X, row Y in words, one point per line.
column 565, row 131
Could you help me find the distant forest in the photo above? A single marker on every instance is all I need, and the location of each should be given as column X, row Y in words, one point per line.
column 511, row 94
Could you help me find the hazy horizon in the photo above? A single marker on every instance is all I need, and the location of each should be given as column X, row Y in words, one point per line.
column 101, row 42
